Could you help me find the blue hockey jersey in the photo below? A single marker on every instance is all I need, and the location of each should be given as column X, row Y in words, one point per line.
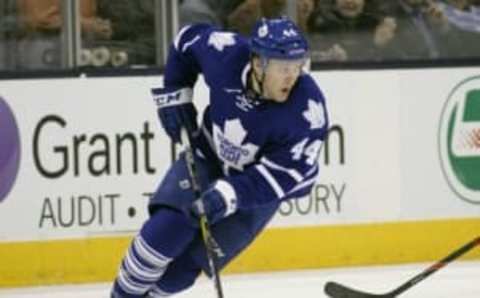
column 268, row 151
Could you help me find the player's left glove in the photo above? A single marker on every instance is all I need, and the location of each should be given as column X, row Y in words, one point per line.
column 219, row 201
column 175, row 110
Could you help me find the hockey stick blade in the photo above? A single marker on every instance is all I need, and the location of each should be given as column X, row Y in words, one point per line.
column 336, row 290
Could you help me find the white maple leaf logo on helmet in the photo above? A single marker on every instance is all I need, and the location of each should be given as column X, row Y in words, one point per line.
column 230, row 147
column 262, row 31
column 315, row 114
column 220, row 40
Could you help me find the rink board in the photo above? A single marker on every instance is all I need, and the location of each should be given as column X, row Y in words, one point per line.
column 91, row 152
column 97, row 259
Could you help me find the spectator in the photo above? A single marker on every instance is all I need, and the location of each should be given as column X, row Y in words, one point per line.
column 272, row 8
column 463, row 20
column 41, row 22
column 133, row 31
column 305, row 9
column 353, row 30
column 464, row 15
column 235, row 15
column 420, row 33
column 45, row 16
column 214, row 12
column 244, row 16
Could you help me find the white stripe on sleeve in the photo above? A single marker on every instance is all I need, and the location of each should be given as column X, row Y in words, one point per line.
column 271, row 180
column 304, row 184
column 179, row 36
column 293, row 173
column 190, row 42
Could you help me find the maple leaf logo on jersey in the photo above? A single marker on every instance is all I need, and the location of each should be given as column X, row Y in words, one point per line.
column 315, row 114
column 220, row 40
column 230, row 147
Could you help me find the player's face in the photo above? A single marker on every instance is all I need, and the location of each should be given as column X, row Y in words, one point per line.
column 280, row 76
column 350, row 8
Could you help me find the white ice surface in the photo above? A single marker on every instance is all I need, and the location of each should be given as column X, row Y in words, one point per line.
column 458, row 280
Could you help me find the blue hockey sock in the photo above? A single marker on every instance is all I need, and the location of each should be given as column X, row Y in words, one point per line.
column 162, row 238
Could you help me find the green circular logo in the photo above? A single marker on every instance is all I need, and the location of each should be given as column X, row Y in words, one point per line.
column 459, row 140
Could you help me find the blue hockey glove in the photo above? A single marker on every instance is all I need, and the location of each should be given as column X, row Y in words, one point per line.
column 218, row 202
column 175, row 110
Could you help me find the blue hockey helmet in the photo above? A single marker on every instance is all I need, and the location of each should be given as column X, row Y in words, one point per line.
column 278, row 38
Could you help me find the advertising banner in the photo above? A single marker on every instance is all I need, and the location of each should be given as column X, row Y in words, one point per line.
column 80, row 157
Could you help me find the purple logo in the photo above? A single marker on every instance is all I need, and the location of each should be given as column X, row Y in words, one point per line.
column 9, row 149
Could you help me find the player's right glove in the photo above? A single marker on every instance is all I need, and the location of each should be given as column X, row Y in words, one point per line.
column 217, row 202
column 175, row 110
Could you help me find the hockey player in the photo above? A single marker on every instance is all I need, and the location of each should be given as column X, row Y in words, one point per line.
column 257, row 146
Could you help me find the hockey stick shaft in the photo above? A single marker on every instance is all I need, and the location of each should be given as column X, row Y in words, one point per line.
column 204, row 225
column 437, row 266
column 336, row 290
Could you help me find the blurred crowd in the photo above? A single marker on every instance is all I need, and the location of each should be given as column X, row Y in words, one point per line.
column 122, row 32
column 113, row 33
column 371, row 30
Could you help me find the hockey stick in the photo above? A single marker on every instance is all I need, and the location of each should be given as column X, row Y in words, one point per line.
column 336, row 290
column 211, row 246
